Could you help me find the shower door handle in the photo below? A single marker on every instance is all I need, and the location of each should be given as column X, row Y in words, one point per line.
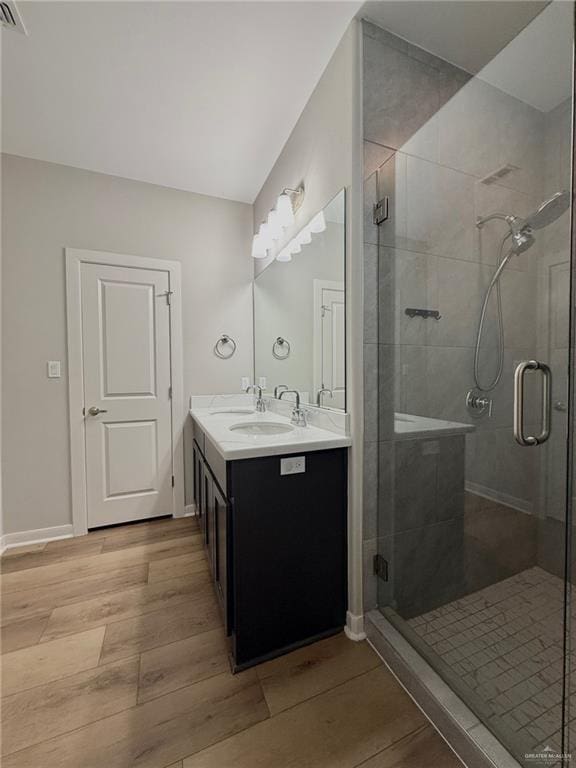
column 519, row 375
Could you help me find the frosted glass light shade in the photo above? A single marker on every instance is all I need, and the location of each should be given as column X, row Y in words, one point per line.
column 258, row 247
column 284, row 254
column 294, row 246
column 304, row 237
column 275, row 225
column 266, row 235
column 284, row 210
column 318, row 223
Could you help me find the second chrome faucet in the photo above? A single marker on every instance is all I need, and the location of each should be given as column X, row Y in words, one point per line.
column 298, row 415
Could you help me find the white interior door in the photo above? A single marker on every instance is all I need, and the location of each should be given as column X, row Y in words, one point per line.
column 330, row 346
column 127, row 407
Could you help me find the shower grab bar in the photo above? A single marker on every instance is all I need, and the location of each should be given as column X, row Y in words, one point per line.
column 519, row 375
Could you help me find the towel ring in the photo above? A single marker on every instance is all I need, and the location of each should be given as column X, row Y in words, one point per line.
column 279, row 344
column 222, row 342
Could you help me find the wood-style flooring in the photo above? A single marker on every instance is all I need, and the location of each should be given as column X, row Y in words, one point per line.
column 114, row 656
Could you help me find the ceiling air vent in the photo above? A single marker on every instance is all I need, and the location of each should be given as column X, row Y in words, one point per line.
column 498, row 174
column 10, row 18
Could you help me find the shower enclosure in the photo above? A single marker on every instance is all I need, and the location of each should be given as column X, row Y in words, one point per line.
column 468, row 266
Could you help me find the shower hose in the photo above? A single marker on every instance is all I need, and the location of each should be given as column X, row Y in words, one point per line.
column 494, row 283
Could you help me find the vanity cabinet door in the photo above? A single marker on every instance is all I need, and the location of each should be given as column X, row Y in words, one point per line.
column 221, row 570
column 208, row 494
column 199, row 473
column 195, row 456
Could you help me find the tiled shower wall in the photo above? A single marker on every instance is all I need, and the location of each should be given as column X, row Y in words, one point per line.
column 432, row 135
column 553, row 336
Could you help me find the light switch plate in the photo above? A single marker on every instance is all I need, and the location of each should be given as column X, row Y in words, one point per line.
column 262, row 382
column 293, row 465
column 53, row 368
column 245, row 383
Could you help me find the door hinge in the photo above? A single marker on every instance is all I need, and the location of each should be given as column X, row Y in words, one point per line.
column 169, row 393
column 173, row 481
column 380, row 567
column 381, row 210
column 167, row 295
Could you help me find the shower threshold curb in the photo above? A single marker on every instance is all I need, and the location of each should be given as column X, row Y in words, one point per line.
column 474, row 744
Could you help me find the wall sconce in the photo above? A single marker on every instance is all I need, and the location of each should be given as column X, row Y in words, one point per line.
column 281, row 217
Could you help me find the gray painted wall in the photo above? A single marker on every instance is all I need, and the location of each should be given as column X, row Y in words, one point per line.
column 324, row 152
column 48, row 207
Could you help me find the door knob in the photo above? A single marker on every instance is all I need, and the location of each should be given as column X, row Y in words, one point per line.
column 93, row 411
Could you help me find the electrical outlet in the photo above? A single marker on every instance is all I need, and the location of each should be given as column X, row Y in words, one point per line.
column 245, row 383
column 53, row 369
column 294, row 465
column 262, row 382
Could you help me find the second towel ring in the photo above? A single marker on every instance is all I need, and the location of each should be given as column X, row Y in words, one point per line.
column 281, row 344
column 222, row 342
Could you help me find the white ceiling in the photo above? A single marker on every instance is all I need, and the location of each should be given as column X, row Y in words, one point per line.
column 468, row 33
column 523, row 47
column 199, row 96
column 536, row 67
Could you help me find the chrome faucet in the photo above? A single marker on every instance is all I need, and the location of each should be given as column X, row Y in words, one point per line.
column 260, row 402
column 320, row 393
column 298, row 415
column 277, row 388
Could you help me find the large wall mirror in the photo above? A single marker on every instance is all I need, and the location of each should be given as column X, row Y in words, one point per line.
column 299, row 314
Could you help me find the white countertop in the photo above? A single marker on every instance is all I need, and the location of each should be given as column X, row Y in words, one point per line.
column 234, row 445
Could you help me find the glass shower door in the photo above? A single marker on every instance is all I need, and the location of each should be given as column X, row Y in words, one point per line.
column 474, row 267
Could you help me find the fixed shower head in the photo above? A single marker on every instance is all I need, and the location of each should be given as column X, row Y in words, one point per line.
column 549, row 211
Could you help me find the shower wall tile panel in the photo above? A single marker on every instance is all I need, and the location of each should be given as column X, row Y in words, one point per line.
column 371, row 293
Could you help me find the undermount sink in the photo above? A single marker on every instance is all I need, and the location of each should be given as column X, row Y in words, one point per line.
column 237, row 411
column 261, row 428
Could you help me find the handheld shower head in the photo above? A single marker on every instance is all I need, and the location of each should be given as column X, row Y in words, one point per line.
column 549, row 211
column 522, row 240
column 546, row 214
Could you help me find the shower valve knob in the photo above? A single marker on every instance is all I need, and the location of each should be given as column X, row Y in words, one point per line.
column 477, row 404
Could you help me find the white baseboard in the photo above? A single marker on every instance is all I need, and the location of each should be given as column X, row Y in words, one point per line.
column 354, row 628
column 38, row 536
column 190, row 510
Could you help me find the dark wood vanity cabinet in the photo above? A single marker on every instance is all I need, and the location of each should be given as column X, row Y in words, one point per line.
column 277, row 547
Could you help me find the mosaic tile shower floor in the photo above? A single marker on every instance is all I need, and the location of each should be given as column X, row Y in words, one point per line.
column 505, row 643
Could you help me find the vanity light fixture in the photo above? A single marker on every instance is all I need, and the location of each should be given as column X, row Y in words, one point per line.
column 285, row 210
column 275, row 225
column 305, row 236
column 284, row 255
column 266, row 235
column 258, row 247
column 294, row 246
column 278, row 219
column 318, row 224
